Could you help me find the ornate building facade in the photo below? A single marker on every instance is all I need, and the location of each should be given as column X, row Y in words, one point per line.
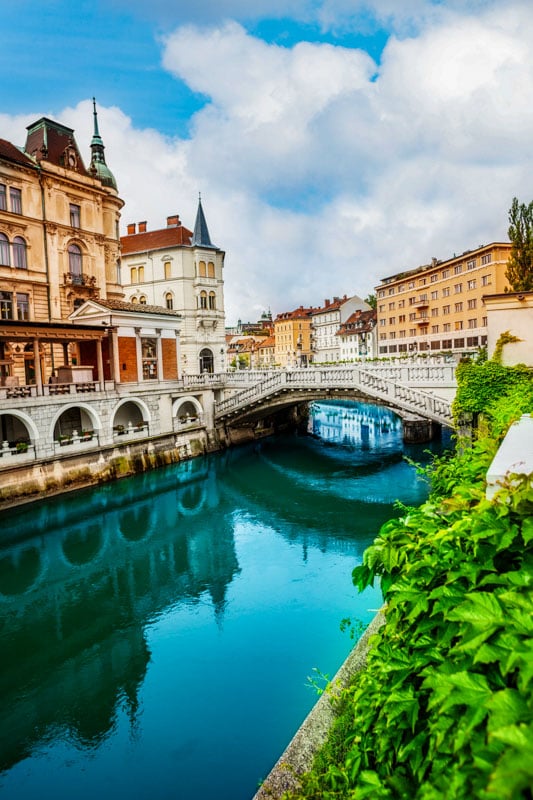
column 181, row 270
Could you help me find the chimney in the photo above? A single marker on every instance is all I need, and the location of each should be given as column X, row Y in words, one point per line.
column 131, row 228
column 173, row 221
column 326, row 303
column 142, row 227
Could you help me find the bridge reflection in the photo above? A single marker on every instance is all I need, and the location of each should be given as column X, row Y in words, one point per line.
column 82, row 579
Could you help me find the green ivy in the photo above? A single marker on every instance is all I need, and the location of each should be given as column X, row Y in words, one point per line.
column 480, row 385
column 444, row 707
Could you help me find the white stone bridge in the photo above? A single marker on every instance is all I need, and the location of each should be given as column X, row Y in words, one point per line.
column 419, row 391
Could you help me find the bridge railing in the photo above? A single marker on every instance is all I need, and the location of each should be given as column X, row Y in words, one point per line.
column 370, row 382
column 431, row 373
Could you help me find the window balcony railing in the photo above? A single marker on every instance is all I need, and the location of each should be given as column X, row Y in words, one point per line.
column 79, row 279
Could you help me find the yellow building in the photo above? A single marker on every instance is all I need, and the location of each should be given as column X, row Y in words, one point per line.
column 59, row 237
column 439, row 307
column 292, row 331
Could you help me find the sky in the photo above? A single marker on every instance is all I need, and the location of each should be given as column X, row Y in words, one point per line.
column 334, row 142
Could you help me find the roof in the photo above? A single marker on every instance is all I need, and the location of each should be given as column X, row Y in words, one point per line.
column 49, row 141
column 298, row 313
column 137, row 308
column 12, row 153
column 174, row 236
column 270, row 341
column 201, row 233
column 359, row 322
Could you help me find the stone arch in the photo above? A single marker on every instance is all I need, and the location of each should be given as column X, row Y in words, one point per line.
column 24, row 419
column 191, row 498
column 130, row 409
column 136, row 522
column 82, row 545
column 87, row 413
column 187, row 405
column 20, row 571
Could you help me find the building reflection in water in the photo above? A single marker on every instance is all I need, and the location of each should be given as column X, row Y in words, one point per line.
column 82, row 577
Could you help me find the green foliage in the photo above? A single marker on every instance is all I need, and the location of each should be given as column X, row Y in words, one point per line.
column 444, row 708
column 519, row 270
column 479, row 385
column 372, row 301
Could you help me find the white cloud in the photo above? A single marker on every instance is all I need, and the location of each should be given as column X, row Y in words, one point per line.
column 321, row 173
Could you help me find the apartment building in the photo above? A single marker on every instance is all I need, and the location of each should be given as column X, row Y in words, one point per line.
column 326, row 322
column 439, row 307
column 292, row 332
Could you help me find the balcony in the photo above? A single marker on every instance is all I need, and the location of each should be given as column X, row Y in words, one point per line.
column 422, row 319
column 79, row 279
column 422, row 302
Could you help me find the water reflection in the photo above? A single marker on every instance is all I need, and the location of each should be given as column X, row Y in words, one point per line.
column 82, row 578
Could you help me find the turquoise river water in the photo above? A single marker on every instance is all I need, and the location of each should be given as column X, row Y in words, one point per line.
column 158, row 635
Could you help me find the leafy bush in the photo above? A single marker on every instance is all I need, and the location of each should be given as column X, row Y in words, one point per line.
column 444, row 708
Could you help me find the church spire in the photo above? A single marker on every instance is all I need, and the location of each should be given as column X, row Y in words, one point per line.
column 201, row 233
column 98, row 166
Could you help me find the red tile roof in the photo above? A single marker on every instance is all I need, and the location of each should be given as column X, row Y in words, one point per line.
column 156, row 240
column 298, row 313
column 359, row 322
column 12, row 153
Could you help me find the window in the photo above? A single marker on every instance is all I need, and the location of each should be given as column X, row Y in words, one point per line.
column 485, row 280
column 381, row 293
column 445, row 273
column 422, row 281
column 458, row 288
column 412, row 316
column 149, row 358
column 484, row 321
column 412, row 301
column 411, row 285
column 15, row 196
column 445, row 309
column 434, row 312
column 435, row 294
column 213, row 301
column 472, row 284
column 434, row 329
column 472, row 303
column 75, row 216
column 401, row 318
column 459, row 325
column 203, row 299
column 412, row 331
column 4, row 250
column 382, row 322
column 459, row 342
column 382, row 308
column 401, row 335
column 472, row 341
column 142, row 300
column 74, row 261
column 6, row 305
column 169, row 301
column 458, row 308
column 391, row 306
column 391, row 291
column 472, row 323
column 446, row 291
column 447, row 344
column 401, row 304
column 23, row 306
column 471, row 264
column 134, row 275
column 392, row 320
column 486, row 259
column 134, row 300
column 401, row 287
column 447, row 327
column 458, row 269
column 167, row 267
column 210, row 269
column 19, row 253
column 201, row 269
column 392, row 335
column 382, row 337
column 434, row 277
column 141, row 274
column 3, row 197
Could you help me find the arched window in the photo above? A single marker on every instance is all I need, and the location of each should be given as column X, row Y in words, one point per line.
column 169, row 301
column 134, row 275
column 203, row 299
column 141, row 274
column 201, row 269
column 142, row 300
column 4, row 250
column 167, row 266
column 134, row 300
column 212, row 300
column 210, row 269
column 19, row 253
column 206, row 360
column 74, row 261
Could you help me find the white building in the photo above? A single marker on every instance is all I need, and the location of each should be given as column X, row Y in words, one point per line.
column 357, row 336
column 180, row 270
column 326, row 322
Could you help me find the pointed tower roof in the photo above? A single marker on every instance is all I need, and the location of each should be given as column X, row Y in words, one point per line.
column 98, row 166
column 200, row 237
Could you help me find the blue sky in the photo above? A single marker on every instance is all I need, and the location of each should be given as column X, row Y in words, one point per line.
column 334, row 141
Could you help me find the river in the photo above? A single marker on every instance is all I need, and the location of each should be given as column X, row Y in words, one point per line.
column 160, row 636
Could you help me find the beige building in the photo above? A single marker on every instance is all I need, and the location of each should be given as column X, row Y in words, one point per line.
column 292, row 332
column 59, row 241
column 326, row 322
column 511, row 312
column 439, row 307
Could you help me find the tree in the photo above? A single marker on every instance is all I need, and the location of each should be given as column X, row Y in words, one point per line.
column 519, row 270
column 372, row 301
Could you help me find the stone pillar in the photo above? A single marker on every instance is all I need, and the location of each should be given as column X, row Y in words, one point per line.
column 417, row 430
column 100, row 364
column 37, row 365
